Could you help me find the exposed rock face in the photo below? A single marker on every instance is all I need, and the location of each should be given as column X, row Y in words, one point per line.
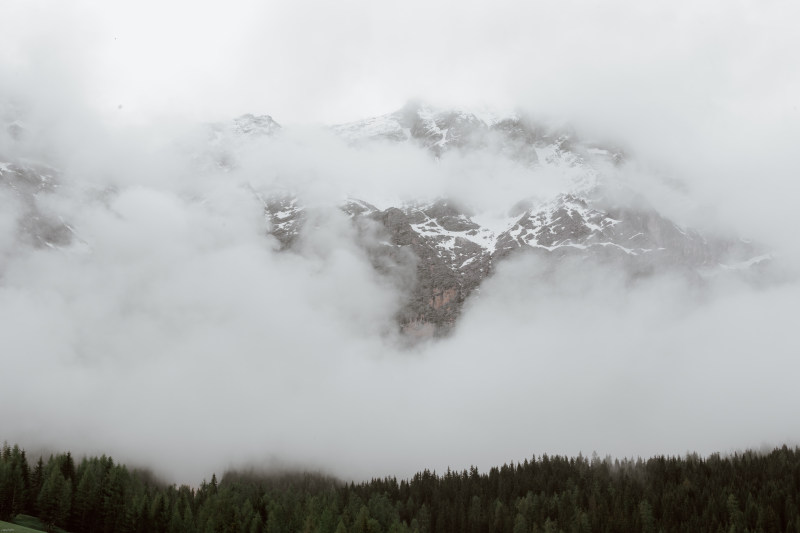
column 287, row 218
column 249, row 124
column 452, row 254
column 441, row 131
column 224, row 137
column 28, row 182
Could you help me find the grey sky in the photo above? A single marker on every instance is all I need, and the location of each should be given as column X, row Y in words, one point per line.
column 317, row 61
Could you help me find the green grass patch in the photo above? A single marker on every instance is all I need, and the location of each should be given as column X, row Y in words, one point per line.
column 25, row 523
column 8, row 527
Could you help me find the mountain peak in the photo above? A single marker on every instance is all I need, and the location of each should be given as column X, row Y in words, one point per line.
column 437, row 129
column 249, row 124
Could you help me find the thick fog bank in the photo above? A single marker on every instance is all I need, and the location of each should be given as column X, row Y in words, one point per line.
column 172, row 332
column 166, row 328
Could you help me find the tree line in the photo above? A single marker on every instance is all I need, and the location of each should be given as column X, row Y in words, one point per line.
column 743, row 492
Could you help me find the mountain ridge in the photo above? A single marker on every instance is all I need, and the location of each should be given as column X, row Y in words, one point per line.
column 445, row 247
column 455, row 250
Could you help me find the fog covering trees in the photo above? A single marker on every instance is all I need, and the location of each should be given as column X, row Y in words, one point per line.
column 749, row 491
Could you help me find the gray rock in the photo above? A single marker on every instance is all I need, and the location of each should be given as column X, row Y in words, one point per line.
column 30, row 181
column 437, row 254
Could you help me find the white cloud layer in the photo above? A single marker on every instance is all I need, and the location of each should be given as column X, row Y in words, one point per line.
column 172, row 333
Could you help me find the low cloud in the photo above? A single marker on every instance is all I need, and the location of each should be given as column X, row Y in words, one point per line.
column 172, row 332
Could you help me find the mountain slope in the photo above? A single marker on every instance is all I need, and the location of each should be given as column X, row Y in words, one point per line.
column 436, row 249
column 452, row 250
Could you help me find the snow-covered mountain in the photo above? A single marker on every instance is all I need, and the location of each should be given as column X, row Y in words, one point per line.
column 449, row 249
column 452, row 253
column 453, row 249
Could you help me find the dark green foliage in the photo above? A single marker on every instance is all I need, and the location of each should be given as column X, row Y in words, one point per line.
column 55, row 499
column 14, row 481
column 749, row 492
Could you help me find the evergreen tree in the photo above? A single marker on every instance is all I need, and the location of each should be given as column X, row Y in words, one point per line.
column 54, row 500
column 520, row 524
column 36, row 481
column 646, row 516
column 14, row 481
column 176, row 524
column 6, row 484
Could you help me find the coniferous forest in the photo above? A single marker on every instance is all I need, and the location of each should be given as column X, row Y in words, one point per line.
column 750, row 491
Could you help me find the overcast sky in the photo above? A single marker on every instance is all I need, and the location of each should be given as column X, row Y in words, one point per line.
column 173, row 334
column 319, row 61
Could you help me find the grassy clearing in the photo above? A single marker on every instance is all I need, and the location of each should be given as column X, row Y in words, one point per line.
column 8, row 527
column 24, row 523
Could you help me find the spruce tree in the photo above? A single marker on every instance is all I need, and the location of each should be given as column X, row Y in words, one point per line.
column 54, row 500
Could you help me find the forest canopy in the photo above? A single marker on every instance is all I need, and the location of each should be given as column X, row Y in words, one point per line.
column 749, row 491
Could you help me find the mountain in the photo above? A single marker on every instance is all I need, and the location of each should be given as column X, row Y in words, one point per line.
column 437, row 249
column 452, row 249
column 28, row 180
